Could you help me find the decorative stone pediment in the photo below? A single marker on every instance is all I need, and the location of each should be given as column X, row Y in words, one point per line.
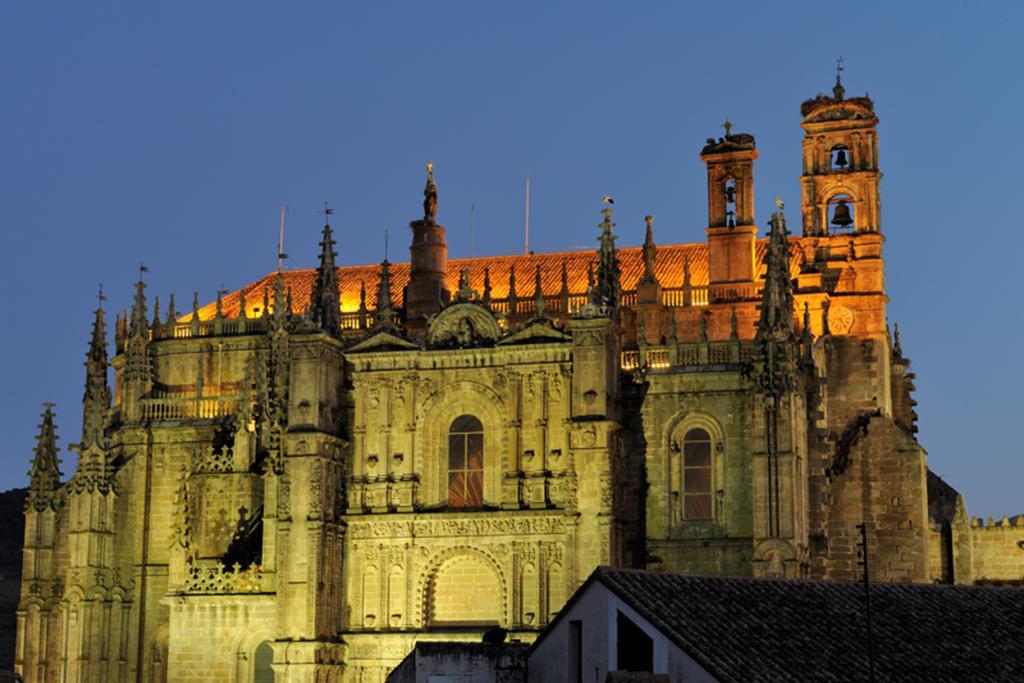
column 536, row 333
column 463, row 325
column 383, row 341
column 842, row 110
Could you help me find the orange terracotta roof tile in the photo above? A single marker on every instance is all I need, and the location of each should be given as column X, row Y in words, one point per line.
column 669, row 268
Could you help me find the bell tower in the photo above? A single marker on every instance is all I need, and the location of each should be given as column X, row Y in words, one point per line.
column 840, row 164
column 731, row 227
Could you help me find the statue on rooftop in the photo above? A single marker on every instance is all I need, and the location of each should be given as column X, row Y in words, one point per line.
column 430, row 194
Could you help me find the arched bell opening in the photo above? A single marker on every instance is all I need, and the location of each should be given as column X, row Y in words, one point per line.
column 840, row 158
column 841, row 214
column 730, row 202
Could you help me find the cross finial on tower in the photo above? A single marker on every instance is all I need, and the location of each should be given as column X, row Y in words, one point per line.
column 728, row 127
column 100, row 296
column 328, row 211
column 839, row 90
column 142, row 269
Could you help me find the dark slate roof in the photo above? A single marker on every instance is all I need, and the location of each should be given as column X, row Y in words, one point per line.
column 787, row 630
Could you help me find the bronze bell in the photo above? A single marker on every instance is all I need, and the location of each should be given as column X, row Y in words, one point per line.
column 841, row 217
column 841, row 161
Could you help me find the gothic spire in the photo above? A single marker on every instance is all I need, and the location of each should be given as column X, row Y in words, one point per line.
column 539, row 305
column 44, row 477
column 96, row 401
column 384, row 313
column 775, row 364
column 512, row 295
column 486, row 297
column 324, row 308
column 608, row 289
column 139, row 325
column 362, row 304
column 776, row 321
column 649, row 252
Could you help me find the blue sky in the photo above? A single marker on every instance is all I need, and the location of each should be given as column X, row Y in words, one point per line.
column 172, row 134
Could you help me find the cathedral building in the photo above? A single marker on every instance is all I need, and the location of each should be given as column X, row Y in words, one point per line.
column 300, row 480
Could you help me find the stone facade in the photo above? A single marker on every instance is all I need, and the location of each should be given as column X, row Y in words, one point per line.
column 301, row 480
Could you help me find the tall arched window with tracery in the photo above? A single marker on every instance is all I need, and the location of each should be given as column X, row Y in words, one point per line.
column 466, row 463
column 697, row 475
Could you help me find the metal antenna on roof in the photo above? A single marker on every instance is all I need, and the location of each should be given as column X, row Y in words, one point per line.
column 280, row 239
column 526, row 250
column 867, row 598
column 472, row 230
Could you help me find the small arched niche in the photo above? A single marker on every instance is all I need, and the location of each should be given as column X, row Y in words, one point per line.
column 262, row 661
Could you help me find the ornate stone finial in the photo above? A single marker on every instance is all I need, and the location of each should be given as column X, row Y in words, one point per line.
column 325, row 300
column 465, row 291
column 776, row 361
column 565, row 280
column 686, row 270
column 139, row 325
column 487, row 285
column 728, row 127
column 243, row 305
column 195, row 306
column 44, row 477
column 279, row 308
column 96, row 400
column 219, row 311
column 776, row 319
column 608, row 291
column 839, row 91
column 384, row 314
column 649, row 251
column 362, row 304
column 266, row 302
column 430, row 195
column 156, row 311
column 512, row 295
column 897, row 347
column 806, row 335
column 825, row 306
column 539, row 305
column 172, row 313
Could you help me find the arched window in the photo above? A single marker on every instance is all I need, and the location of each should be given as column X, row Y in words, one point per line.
column 697, row 475
column 466, row 463
column 730, row 202
column 262, row 672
